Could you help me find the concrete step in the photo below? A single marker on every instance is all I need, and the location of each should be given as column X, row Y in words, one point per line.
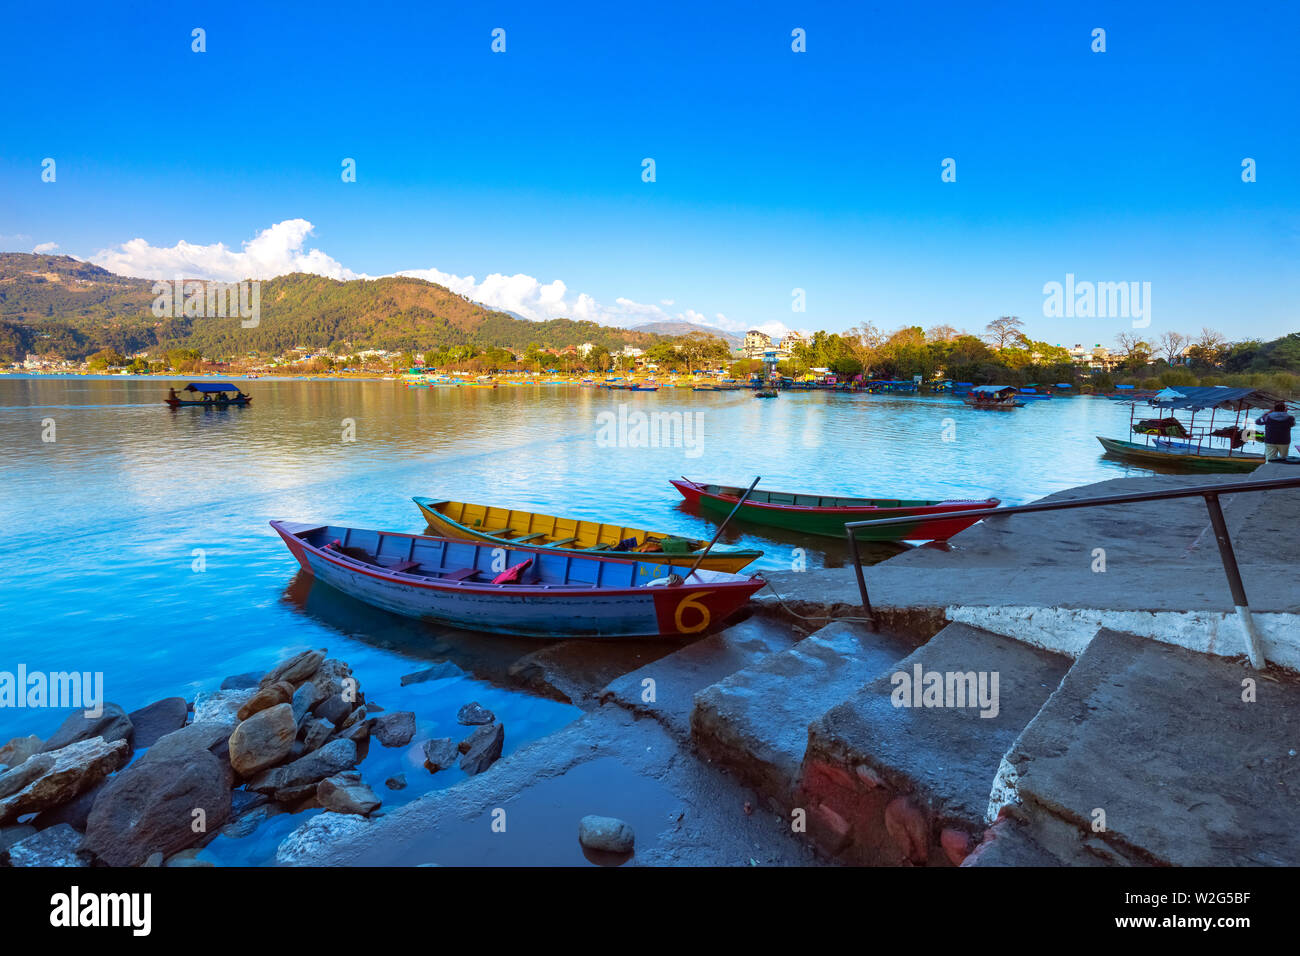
column 1160, row 740
column 891, row 778
column 755, row 722
column 665, row 689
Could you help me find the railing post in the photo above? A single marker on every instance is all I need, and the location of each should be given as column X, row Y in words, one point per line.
column 862, row 581
column 1230, row 568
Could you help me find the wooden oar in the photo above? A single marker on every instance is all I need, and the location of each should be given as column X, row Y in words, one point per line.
column 721, row 527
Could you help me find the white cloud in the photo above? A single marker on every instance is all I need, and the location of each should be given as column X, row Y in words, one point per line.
column 45, row 247
column 273, row 252
column 279, row 250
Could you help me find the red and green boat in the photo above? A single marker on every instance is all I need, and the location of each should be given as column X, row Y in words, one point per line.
column 827, row 514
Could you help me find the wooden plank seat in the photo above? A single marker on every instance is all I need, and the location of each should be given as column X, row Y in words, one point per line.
column 529, row 537
column 460, row 574
column 562, row 542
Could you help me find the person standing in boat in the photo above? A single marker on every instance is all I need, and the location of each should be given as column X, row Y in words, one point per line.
column 1277, row 431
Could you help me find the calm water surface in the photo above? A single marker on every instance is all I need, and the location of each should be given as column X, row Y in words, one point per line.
column 102, row 526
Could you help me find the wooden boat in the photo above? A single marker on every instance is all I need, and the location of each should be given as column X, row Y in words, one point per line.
column 1182, row 455
column 642, row 388
column 215, row 394
column 507, row 527
column 767, row 393
column 994, row 397
column 827, row 514
column 1169, row 441
column 534, row 592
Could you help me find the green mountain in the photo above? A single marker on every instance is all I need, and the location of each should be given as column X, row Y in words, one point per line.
column 59, row 305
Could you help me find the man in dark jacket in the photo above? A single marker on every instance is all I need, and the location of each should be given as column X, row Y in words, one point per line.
column 1277, row 431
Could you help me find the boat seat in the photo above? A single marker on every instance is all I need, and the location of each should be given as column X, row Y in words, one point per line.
column 461, row 574
column 561, row 542
column 401, row 566
column 529, row 537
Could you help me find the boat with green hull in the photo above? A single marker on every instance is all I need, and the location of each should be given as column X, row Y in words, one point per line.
column 827, row 514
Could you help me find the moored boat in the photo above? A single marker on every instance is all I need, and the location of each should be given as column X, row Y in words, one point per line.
column 215, row 394
column 767, row 393
column 827, row 514
column 506, row 527
column 532, row 593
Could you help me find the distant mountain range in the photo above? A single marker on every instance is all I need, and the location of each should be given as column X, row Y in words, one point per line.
column 686, row 328
column 62, row 305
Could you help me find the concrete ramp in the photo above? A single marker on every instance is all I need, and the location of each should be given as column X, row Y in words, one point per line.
column 1152, row 754
column 892, row 778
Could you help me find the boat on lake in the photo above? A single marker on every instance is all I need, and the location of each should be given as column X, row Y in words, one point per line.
column 506, row 527
column 827, row 514
column 534, row 592
column 1169, row 441
column 767, row 393
column 994, row 397
column 215, row 394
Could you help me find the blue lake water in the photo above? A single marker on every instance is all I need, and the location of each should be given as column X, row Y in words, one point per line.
column 137, row 542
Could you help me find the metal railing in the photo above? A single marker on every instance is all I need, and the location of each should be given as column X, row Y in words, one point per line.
column 1210, row 493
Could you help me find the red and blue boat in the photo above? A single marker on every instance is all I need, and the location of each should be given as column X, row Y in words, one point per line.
column 827, row 514
column 529, row 592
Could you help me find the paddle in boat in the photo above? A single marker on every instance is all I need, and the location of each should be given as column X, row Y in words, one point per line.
column 1186, row 446
column 218, row 394
column 827, row 514
column 994, row 397
column 506, row 527
column 530, row 592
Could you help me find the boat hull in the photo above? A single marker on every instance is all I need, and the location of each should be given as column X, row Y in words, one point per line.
column 526, row 610
column 830, row 521
column 1179, row 458
column 590, row 533
column 177, row 403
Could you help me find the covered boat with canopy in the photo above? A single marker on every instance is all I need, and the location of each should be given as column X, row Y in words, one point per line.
column 207, row 394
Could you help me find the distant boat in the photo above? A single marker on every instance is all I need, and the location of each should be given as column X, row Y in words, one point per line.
column 642, row 388
column 536, row 594
column 994, row 397
column 511, row 526
column 827, row 514
column 767, row 393
column 214, row 394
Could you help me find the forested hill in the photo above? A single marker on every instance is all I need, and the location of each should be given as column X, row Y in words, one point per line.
column 57, row 304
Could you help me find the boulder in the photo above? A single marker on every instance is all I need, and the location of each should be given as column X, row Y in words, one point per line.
column 358, row 732
column 12, row 834
column 247, row 822
column 608, row 834
column 188, row 857
column 473, row 715
column 316, row 834
column 19, row 749
column 335, row 757
column 151, row 806
column 482, row 748
column 395, row 729
column 314, row 733
column 329, row 677
column 57, row 846
column 263, row 740
column 439, row 754
column 221, row 706
column 296, row 669
column 159, row 718
column 111, row 724
column 397, row 782
column 265, row 697
column 352, row 718
column 74, row 812
column 334, row 709
column 209, row 735
column 345, row 793
column 50, row 778
column 307, row 696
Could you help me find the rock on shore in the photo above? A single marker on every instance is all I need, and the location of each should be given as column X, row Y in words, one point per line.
column 50, row 778
column 608, row 834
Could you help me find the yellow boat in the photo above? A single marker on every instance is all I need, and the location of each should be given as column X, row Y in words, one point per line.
column 507, row 526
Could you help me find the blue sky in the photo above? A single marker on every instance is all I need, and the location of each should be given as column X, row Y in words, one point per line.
column 775, row 170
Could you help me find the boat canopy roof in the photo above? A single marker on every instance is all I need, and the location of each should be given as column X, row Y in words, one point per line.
column 1197, row 397
column 210, row 387
column 995, row 389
